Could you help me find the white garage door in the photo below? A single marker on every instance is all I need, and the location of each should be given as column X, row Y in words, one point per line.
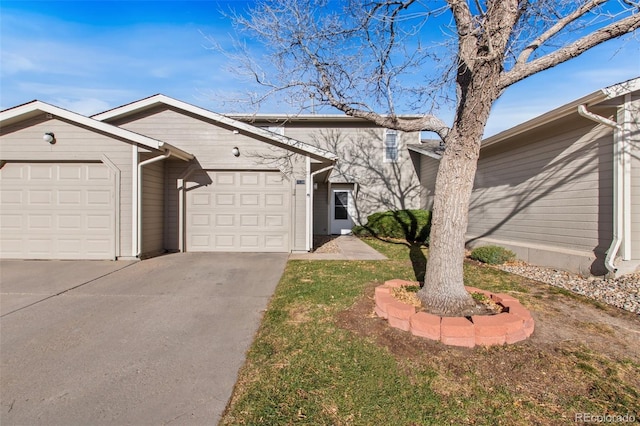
column 238, row 212
column 57, row 211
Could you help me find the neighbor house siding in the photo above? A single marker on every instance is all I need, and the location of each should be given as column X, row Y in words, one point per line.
column 23, row 142
column 361, row 152
column 153, row 206
column 300, row 221
column 211, row 144
column 548, row 188
column 320, row 209
column 634, row 146
column 428, row 173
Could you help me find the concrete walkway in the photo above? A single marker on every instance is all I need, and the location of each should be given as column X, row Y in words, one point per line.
column 350, row 248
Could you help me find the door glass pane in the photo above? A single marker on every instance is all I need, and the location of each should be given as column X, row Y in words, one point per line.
column 341, row 200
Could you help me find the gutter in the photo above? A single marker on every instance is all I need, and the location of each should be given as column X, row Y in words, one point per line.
column 619, row 166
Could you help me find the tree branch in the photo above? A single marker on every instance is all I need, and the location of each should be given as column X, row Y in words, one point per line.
column 572, row 50
column 555, row 29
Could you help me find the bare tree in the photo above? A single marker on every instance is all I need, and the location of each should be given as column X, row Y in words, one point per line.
column 373, row 58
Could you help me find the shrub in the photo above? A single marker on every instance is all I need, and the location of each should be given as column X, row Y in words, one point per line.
column 493, row 255
column 410, row 225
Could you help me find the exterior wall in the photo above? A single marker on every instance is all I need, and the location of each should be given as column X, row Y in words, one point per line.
column 634, row 146
column 549, row 195
column 360, row 149
column 23, row 142
column 153, row 206
column 300, row 218
column 428, row 172
column 321, row 209
column 211, row 144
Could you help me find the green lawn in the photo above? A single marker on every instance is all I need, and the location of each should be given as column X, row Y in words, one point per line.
column 310, row 365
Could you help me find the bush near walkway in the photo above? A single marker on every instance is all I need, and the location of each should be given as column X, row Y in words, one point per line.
column 322, row 357
column 413, row 226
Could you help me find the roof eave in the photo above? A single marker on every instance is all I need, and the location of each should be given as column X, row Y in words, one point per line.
column 565, row 110
column 27, row 110
column 155, row 100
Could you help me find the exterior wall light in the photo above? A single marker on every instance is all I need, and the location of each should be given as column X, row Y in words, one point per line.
column 235, row 151
column 49, row 137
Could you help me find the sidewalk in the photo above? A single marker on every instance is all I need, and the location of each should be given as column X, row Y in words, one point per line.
column 349, row 248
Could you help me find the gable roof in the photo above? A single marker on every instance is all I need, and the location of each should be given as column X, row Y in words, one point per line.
column 594, row 98
column 34, row 108
column 597, row 97
column 242, row 127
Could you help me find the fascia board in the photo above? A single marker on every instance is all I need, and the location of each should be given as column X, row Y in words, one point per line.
column 230, row 122
column 594, row 98
column 425, row 151
column 26, row 110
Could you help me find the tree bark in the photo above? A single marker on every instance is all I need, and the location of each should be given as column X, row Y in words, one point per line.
column 443, row 292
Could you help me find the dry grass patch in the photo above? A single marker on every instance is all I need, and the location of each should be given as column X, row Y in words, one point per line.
column 322, row 356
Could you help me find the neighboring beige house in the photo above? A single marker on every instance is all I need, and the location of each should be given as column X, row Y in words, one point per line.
column 563, row 189
column 158, row 174
column 161, row 175
column 373, row 172
column 152, row 176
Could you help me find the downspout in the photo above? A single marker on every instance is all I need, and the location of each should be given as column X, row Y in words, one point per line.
column 166, row 155
column 618, row 188
column 310, row 211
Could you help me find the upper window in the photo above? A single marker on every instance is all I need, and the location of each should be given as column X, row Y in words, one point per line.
column 390, row 146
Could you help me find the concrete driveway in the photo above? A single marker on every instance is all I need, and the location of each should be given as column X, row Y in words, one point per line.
column 153, row 342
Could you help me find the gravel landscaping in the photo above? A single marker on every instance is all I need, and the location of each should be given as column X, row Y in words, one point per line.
column 622, row 292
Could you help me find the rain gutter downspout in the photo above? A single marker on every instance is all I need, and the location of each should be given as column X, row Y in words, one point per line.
column 310, row 207
column 618, row 186
column 166, row 155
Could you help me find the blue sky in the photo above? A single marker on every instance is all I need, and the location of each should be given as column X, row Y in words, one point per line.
column 90, row 56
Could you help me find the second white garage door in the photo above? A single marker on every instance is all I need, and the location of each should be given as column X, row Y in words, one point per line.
column 238, row 211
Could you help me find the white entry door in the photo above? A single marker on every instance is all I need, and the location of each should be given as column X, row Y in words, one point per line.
column 341, row 211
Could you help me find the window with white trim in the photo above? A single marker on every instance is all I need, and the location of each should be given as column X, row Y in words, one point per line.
column 390, row 146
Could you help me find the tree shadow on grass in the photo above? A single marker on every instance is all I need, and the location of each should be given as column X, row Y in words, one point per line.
column 418, row 261
column 414, row 237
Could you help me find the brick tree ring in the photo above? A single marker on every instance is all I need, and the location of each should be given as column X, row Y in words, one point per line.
column 512, row 325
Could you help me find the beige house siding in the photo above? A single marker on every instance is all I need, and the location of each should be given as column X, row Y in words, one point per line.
column 321, row 209
column 551, row 188
column 300, row 218
column 360, row 149
column 23, row 142
column 634, row 146
column 153, row 206
column 211, row 145
column 428, row 172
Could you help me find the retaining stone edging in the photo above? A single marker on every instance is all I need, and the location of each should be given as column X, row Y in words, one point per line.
column 514, row 325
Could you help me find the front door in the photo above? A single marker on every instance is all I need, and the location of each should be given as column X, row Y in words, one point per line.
column 341, row 208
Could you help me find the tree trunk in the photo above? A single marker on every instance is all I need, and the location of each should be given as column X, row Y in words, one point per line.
column 443, row 292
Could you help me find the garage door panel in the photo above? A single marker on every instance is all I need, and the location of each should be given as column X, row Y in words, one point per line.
column 41, row 172
column 70, row 197
column 40, row 197
column 249, row 179
column 245, row 211
column 57, row 211
column 228, row 179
